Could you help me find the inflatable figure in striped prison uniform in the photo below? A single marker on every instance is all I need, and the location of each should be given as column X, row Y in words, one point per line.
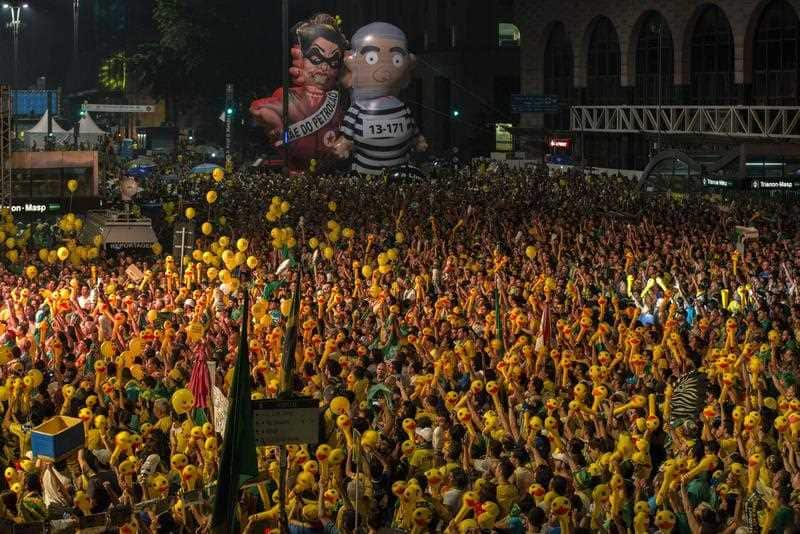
column 378, row 129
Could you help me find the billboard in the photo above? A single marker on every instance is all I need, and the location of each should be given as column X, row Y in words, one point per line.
column 34, row 102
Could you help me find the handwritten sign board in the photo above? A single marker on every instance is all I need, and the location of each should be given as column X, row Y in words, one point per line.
column 284, row 422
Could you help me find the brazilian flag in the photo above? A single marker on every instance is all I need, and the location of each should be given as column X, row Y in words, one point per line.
column 238, row 461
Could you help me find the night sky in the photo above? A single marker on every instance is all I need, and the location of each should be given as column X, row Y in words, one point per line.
column 106, row 26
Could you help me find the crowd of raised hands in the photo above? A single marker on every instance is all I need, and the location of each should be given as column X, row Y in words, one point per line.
column 493, row 349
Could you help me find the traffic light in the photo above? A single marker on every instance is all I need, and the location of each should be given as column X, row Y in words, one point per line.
column 229, row 111
column 456, row 113
column 83, row 110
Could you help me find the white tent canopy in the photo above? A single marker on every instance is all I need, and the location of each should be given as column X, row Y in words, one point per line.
column 41, row 126
column 88, row 126
column 38, row 134
column 88, row 131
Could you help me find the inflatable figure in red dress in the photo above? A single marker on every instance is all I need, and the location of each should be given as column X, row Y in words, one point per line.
column 315, row 102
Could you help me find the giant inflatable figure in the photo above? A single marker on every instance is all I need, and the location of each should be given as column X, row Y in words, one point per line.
column 315, row 104
column 378, row 129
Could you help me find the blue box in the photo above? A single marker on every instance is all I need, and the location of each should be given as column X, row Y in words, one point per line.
column 57, row 438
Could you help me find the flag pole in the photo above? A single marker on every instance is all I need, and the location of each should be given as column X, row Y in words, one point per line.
column 285, row 132
column 282, row 461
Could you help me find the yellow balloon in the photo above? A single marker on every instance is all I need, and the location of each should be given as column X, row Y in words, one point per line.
column 218, row 174
column 383, row 269
column 12, row 256
column 313, row 243
column 327, row 252
column 291, row 242
column 31, row 271
column 72, row 185
column 348, row 233
column 36, row 377
column 197, row 255
column 224, row 241
column 392, row 254
column 366, row 270
column 242, row 244
column 107, row 349
column 151, row 316
column 190, row 213
column 224, row 276
column 97, row 240
column 206, row 228
column 207, row 256
column 286, row 307
column 332, row 205
column 183, row 399
column 62, row 253
column 157, row 248
column 399, row 237
column 136, row 346
column 259, row 309
column 211, row 273
column 43, row 253
column 211, row 196
column 77, row 225
column 11, row 242
column 222, row 220
column 530, row 251
column 252, row 262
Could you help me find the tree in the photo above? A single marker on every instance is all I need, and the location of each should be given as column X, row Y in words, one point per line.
column 204, row 44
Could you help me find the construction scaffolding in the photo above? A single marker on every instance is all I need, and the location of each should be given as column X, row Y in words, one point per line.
column 762, row 122
column 6, row 137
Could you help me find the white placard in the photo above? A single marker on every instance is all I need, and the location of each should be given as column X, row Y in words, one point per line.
column 380, row 127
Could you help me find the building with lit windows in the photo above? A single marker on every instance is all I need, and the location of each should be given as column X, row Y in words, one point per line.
column 698, row 89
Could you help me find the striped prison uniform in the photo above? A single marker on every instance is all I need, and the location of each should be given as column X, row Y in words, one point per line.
column 382, row 130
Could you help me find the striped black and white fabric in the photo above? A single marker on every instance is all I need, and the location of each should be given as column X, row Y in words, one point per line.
column 382, row 130
column 688, row 397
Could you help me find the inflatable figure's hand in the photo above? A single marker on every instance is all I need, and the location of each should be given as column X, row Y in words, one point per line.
column 421, row 144
column 296, row 70
column 342, row 148
column 267, row 111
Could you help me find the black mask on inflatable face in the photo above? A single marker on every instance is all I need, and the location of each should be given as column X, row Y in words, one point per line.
column 316, row 57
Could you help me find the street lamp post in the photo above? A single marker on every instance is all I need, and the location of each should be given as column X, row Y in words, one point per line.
column 76, row 7
column 16, row 27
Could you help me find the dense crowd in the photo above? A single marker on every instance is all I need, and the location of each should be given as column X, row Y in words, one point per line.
column 511, row 350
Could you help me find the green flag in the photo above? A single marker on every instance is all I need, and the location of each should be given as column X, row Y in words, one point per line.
column 238, row 462
column 498, row 323
column 290, row 337
column 270, row 288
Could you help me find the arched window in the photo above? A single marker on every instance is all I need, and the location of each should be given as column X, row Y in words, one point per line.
column 508, row 34
column 558, row 76
column 712, row 59
column 654, row 61
column 602, row 76
column 775, row 56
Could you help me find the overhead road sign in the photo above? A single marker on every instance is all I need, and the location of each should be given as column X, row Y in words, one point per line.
column 120, row 108
column 534, row 104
